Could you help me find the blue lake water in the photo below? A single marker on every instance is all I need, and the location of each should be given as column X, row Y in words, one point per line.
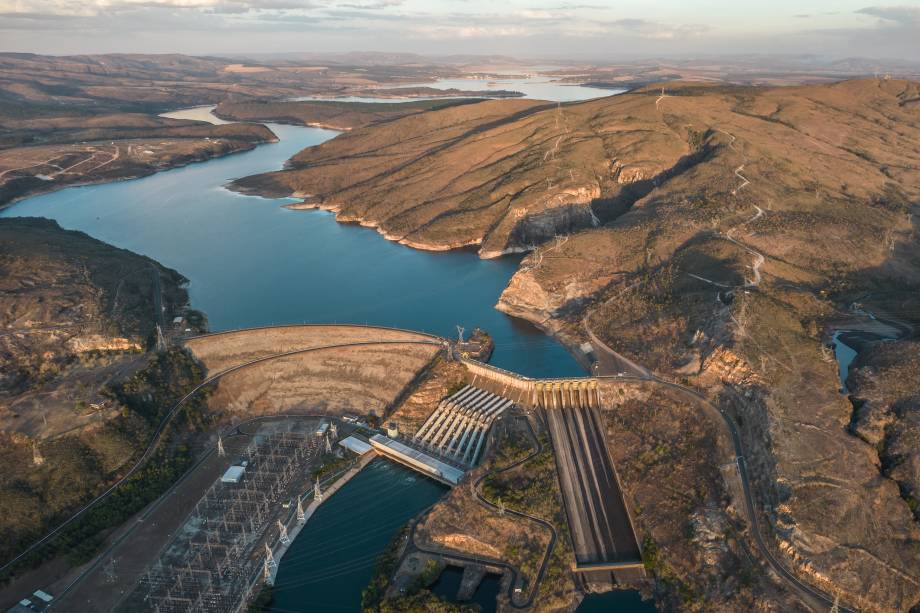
column 538, row 88
column 845, row 356
column 333, row 558
column 251, row 262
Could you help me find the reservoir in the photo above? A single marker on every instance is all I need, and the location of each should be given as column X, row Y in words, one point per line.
column 251, row 262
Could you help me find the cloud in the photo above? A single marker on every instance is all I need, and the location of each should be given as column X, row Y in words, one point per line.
column 102, row 7
column 902, row 15
column 372, row 6
column 652, row 29
column 447, row 32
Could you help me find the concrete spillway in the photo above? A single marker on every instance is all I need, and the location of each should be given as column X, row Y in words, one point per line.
column 457, row 429
column 601, row 529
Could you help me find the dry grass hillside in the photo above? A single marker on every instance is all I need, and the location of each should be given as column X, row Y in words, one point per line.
column 723, row 230
column 166, row 81
column 78, row 155
column 728, row 274
column 352, row 370
column 74, row 310
column 501, row 175
column 887, row 402
column 327, row 113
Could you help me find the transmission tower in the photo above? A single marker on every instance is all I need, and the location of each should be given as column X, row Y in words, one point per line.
column 501, row 507
column 334, row 429
column 220, row 447
column 161, row 339
column 836, row 607
column 284, row 535
column 301, row 516
column 328, row 444
column 110, row 573
column 269, row 557
column 317, row 491
column 460, row 331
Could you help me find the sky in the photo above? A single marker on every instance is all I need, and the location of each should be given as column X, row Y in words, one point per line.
column 588, row 29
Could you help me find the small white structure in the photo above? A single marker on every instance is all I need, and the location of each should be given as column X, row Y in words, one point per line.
column 323, row 428
column 234, row 474
column 355, row 445
column 392, row 429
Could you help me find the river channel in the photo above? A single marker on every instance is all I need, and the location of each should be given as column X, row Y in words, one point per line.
column 251, row 262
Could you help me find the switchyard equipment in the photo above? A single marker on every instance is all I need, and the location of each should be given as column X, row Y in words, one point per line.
column 217, row 555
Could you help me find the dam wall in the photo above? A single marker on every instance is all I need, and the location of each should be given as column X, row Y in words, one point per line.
column 501, row 382
column 567, row 393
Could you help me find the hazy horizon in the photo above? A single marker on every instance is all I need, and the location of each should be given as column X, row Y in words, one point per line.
column 525, row 29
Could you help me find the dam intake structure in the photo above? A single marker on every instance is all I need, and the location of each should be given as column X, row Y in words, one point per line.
column 458, row 428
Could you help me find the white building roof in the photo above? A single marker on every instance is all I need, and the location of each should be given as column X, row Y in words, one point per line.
column 418, row 459
column 355, row 444
column 43, row 595
column 234, row 474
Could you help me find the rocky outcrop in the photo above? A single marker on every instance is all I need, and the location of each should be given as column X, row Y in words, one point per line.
column 503, row 175
column 100, row 342
column 886, row 400
column 678, row 295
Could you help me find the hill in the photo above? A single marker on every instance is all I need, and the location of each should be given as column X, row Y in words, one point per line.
column 715, row 234
column 79, row 394
column 52, row 153
column 328, row 113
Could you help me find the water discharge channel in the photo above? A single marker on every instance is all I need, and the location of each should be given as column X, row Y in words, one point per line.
column 251, row 262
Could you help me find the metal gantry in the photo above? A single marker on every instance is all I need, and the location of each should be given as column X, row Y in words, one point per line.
column 210, row 564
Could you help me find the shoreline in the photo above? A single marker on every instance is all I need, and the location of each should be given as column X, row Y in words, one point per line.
column 281, row 549
column 56, row 187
